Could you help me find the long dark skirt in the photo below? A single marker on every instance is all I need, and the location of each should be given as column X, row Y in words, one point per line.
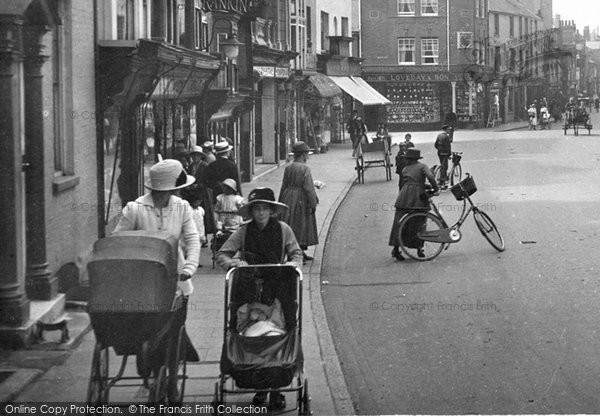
column 409, row 235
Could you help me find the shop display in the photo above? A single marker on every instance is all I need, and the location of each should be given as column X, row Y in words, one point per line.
column 413, row 103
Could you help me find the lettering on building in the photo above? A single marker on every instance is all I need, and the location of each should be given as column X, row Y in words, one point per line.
column 239, row 6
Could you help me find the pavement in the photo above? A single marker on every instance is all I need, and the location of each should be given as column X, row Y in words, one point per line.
column 42, row 376
column 62, row 375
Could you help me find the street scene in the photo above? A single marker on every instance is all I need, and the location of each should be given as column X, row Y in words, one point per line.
column 314, row 207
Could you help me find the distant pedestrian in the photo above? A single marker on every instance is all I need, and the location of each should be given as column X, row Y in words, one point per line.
column 222, row 168
column 383, row 134
column 411, row 197
column 207, row 148
column 299, row 194
column 443, row 144
column 357, row 129
column 400, row 160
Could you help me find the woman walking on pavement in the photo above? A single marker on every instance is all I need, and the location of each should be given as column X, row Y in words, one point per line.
column 299, row 194
column 411, row 197
column 162, row 210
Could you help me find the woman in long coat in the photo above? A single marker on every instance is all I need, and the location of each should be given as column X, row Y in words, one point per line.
column 411, row 197
column 298, row 193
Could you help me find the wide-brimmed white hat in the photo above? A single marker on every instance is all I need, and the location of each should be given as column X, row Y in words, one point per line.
column 222, row 147
column 168, row 175
column 197, row 149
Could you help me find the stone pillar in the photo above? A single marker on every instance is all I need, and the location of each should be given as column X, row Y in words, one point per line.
column 453, row 83
column 14, row 305
column 40, row 283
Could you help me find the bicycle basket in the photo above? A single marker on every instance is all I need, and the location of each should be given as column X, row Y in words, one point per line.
column 468, row 188
column 456, row 158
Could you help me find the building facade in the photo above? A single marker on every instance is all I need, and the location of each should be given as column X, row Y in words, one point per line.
column 428, row 57
column 48, row 185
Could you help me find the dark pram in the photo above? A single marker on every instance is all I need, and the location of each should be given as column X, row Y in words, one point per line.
column 134, row 309
column 263, row 354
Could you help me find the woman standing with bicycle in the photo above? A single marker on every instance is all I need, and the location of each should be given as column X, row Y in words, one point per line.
column 412, row 197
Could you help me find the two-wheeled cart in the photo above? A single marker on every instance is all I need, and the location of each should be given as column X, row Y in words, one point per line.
column 370, row 155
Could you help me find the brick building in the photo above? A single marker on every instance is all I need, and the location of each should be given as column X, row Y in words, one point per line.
column 428, row 57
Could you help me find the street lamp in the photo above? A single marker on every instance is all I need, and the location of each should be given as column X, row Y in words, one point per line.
column 230, row 47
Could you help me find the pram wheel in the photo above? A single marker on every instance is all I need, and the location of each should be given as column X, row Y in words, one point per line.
column 97, row 393
column 179, row 370
column 158, row 390
column 142, row 361
column 304, row 400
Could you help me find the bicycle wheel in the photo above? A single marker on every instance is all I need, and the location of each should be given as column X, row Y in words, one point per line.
column 408, row 235
column 488, row 229
column 455, row 175
column 437, row 173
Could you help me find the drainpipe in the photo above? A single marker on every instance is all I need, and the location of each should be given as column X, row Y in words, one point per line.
column 99, row 131
column 448, row 31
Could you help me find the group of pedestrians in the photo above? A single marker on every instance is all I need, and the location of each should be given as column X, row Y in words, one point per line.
column 275, row 232
column 539, row 114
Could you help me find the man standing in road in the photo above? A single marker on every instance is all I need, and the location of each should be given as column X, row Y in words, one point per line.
column 443, row 144
column 356, row 128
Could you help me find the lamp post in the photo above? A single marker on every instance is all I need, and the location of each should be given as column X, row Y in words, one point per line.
column 229, row 47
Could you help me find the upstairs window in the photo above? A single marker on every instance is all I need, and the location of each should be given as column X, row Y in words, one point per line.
column 406, row 7
column 429, row 7
column 406, row 51
column 429, row 51
column 125, row 20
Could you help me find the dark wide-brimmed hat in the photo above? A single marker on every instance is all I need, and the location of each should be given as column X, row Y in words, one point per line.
column 265, row 196
column 412, row 153
column 301, row 147
column 447, row 126
column 168, row 175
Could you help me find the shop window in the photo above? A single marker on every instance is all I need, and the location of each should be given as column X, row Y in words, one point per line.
column 406, row 51
column 406, row 7
column 429, row 7
column 511, row 26
column 496, row 25
column 429, row 51
column 413, row 103
column 200, row 29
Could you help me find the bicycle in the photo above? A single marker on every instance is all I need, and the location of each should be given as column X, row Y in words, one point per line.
column 455, row 174
column 429, row 233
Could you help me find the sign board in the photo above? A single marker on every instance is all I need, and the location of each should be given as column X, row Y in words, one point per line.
column 272, row 72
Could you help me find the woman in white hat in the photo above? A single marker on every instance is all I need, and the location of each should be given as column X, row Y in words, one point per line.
column 161, row 210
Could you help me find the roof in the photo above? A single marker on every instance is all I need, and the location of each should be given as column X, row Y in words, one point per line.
column 511, row 7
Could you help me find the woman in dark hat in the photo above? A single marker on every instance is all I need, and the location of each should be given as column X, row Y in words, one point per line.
column 263, row 240
column 299, row 194
column 412, row 195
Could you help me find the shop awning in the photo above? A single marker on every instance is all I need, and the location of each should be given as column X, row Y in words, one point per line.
column 321, row 85
column 360, row 90
column 231, row 108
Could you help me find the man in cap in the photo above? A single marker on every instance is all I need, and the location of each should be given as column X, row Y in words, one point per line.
column 443, row 144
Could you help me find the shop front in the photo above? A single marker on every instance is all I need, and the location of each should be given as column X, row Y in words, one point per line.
column 422, row 100
column 320, row 119
column 153, row 103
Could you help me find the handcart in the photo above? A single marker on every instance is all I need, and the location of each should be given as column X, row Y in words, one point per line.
column 134, row 309
column 269, row 359
column 373, row 154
